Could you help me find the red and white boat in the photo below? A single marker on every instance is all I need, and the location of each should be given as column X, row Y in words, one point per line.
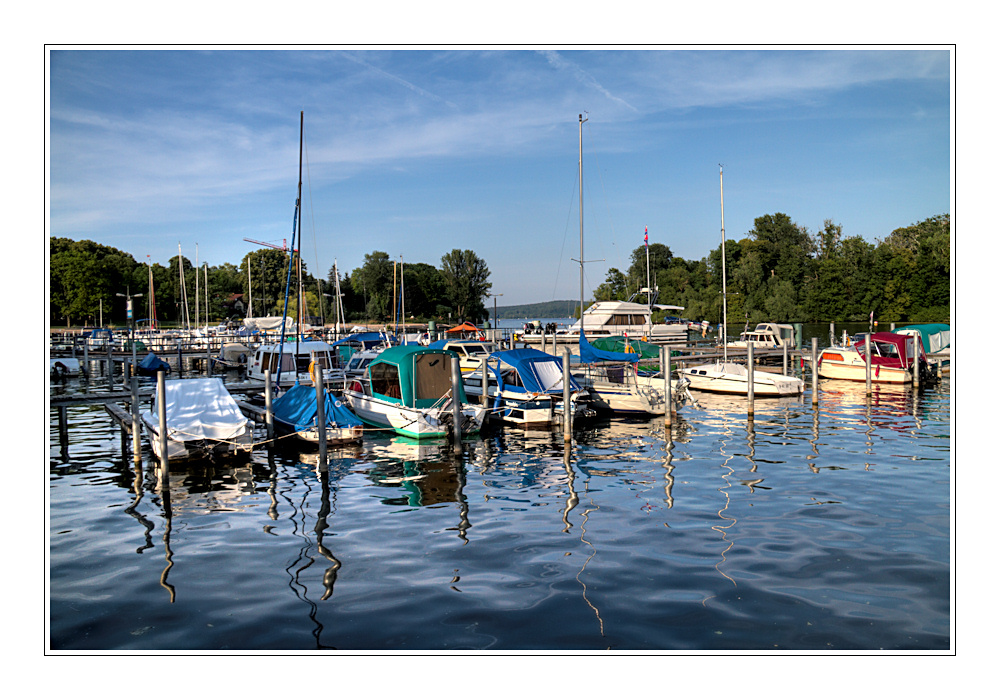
column 891, row 359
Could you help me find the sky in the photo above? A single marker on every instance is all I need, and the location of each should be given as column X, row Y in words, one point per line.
column 418, row 152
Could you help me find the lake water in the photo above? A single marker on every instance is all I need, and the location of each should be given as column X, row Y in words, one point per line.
column 826, row 528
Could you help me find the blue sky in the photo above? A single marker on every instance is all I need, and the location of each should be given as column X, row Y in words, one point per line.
column 418, row 152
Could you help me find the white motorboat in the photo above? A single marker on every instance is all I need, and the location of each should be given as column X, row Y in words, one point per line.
column 891, row 360
column 203, row 421
column 733, row 378
column 767, row 336
column 471, row 353
column 295, row 358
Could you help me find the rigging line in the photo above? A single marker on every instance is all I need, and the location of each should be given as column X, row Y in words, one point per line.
column 562, row 250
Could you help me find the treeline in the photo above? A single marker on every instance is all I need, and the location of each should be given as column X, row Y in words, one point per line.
column 544, row 309
column 90, row 282
column 780, row 272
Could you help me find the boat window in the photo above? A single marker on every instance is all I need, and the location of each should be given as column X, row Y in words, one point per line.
column 385, row 380
column 832, row 356
column 432, row 376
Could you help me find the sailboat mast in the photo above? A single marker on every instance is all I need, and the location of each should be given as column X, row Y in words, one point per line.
column 582, row 120
column 722, row 206
column 184, row 295
column 288, row 276
column 197, row 288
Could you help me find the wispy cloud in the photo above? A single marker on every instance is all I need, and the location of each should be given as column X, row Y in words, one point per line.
column 560, row 63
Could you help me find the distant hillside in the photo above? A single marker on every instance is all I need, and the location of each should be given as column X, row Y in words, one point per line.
column 545, row 309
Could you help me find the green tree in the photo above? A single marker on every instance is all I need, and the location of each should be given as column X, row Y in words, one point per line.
column 466, row 279
column 614, row 287
column 374, row 278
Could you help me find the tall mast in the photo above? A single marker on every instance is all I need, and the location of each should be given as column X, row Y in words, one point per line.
column 582, row 120
column 288, row 276
column 722, row 206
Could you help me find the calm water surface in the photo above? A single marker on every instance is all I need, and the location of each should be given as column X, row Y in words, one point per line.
column 826, row 529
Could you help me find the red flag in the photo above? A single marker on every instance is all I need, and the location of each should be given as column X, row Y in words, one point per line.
column 647, row 236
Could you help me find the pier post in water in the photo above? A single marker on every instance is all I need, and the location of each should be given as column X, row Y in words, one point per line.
column 868, row 364
column 567, row 409
column 320, row 415
column 268, row 400
column 668, row 400
column 161, row 401
column 456, row 402
column 815, row 371
column 136, row 426
column 916, row 360
column 750, row 379
column 485, row 384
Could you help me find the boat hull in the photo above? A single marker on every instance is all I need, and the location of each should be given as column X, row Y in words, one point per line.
column 411, row 422
column 238, row 446
column 725, row 381
column 856, row 373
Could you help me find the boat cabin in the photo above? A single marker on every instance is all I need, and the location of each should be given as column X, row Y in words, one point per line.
column 293, row 360
column 415, row 376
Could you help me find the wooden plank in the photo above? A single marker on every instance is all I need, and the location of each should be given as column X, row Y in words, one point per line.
column 123, row 417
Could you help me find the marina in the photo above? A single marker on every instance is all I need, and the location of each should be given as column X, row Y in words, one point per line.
column 805, row 525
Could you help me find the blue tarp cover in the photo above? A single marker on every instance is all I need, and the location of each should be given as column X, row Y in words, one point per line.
column 297, row 407
column 589, row 354
column 153, row 364
column 366, row 340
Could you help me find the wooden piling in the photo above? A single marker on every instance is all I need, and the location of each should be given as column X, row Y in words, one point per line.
column 815, row 371
column 136, row 428
column 456, row 402
column 567, row 409
column 668, row 400
column 320, row 414
column 268, row 400
column 868, row 364
column 750, row 379
column 161, row 400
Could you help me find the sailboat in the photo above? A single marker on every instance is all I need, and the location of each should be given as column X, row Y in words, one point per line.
column 730, row 377
column 612, row 378
column 295, row 411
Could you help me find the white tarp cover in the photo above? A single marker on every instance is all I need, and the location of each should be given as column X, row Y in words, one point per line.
column 200, row 409
column 268, row 323
column 550, row 374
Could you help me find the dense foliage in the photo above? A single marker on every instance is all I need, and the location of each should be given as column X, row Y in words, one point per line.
column 89, row 284
column 779, row 272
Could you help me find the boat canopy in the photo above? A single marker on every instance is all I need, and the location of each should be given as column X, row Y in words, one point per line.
column 935, row 337
column 607, row 352
column 297, row 407
column 267, row 323
column 200, row 409
column 539, row 372
column 413, row 375
column 890, row 349
column 463, row 328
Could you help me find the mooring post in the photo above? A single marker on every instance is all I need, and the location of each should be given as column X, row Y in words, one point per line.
column 868, row 364
column 815, row 371
column 750, row 379
column 161, row 407
column 136, row 429
column 567, row 408
column 485, row 384
column 180, row 360
column 320, row 415
column 208, row 357
column 456, row 402
column 268, row 413
column 86, row 357
column 784, row 358
column 916, row 359
column 668, row 400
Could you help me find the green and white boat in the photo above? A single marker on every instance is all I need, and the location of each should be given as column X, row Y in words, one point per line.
column 408, row 389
